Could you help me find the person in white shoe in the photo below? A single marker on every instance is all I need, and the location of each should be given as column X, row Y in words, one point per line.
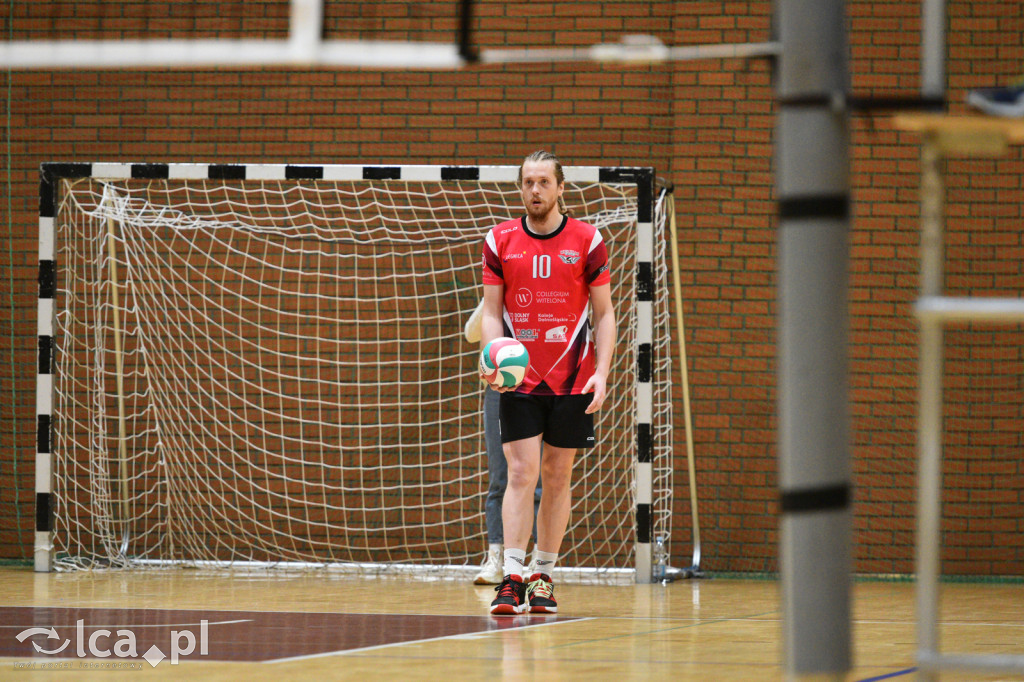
column 546, row 276
column 490, row 572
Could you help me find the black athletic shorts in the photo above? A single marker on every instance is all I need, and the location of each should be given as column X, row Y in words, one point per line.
column 562, row 419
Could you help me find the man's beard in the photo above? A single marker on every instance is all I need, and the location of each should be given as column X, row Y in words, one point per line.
column 541, row 211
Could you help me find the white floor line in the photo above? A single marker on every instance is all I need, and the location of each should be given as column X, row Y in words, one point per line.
column 464, row 635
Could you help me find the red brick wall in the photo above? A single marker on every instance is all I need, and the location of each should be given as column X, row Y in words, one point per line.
column 706, row 126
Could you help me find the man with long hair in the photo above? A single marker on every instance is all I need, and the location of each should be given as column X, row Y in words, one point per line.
column 543, row 274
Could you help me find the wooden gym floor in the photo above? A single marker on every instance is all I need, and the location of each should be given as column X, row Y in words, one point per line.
column 282, row 626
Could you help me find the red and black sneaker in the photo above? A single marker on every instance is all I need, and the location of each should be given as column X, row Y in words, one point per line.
column 511, row 597
column 541, row 594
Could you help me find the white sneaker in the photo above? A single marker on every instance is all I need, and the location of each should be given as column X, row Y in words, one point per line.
column 1006, row 102
column 491, row 570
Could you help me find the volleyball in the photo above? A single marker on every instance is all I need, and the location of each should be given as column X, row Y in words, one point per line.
column 503, row 362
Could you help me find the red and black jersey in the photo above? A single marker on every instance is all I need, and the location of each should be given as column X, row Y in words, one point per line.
column 547, row 280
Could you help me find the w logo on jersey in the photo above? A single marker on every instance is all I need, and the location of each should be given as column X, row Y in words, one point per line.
column 569, row 256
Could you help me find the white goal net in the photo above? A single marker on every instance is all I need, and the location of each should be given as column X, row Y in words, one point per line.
column 264, row 371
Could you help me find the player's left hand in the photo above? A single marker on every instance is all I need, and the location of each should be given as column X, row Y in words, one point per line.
column 596, row 384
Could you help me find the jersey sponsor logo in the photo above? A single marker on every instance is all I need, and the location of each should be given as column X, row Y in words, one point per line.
column 556, row 334
column 512, row 256
column 509, row 229
column 524, row 297
column 520, row 318
column 552, row 296
column 526, row 334
column 569, row 256
column 548, row 317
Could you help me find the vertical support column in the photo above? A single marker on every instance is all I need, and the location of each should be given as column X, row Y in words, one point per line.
column 42, row 555
column 933, row 49
column 305, row 30
column 49, row 175
column 122, row 432
column 812, row 181
column 929, row 420
column 644, row 311
column 645, row 376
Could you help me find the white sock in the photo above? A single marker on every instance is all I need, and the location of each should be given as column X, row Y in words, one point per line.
column 544, row 562
column 515, row 562
column 494, row 548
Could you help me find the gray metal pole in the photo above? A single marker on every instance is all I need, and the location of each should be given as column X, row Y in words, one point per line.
column 929, row 487
column 933, row 48
column 929, row 420
column 812, row 182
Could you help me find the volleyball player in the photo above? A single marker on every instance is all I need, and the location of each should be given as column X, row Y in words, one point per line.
column 542, row 274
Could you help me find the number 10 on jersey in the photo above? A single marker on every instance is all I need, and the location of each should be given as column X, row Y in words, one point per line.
column 541, row 266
